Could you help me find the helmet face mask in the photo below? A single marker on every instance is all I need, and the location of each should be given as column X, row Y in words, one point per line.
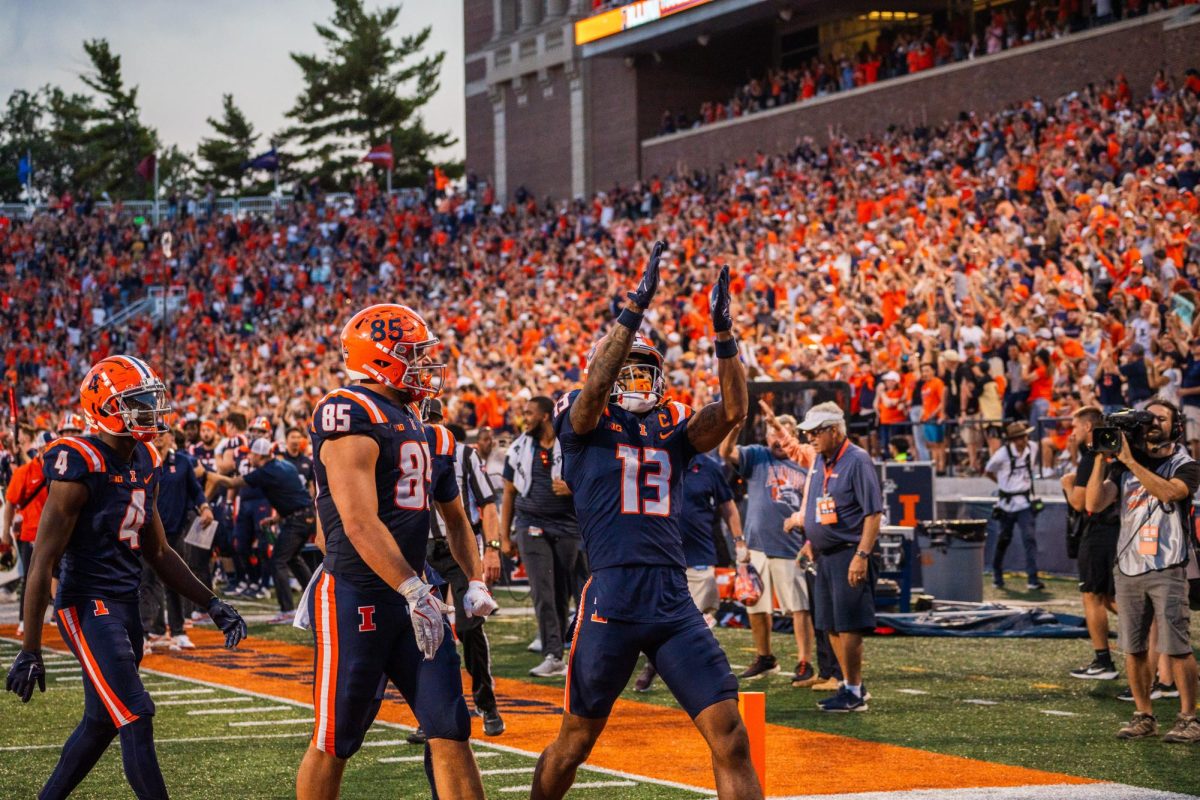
column 390, row 344
column 141, row 410
column 640, row 385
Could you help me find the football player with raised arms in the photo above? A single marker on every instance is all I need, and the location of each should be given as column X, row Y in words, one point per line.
column 101, row 521
column 374, row 619
column 625, row 453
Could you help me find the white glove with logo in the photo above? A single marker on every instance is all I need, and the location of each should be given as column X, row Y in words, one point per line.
column 478, row 601
column 427, row 614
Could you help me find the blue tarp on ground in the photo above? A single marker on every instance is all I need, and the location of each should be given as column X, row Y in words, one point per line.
column 983, row 620
column 988, row 620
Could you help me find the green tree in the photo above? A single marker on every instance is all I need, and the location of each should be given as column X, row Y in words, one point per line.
column 46, row 124
column 225, row 153
column 114, row 136
column 364, row 90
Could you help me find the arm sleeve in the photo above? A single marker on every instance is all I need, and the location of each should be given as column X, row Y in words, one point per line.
column 1190, row 474
column 195, row 490
column 866, row 487
column 749, row 457
column 64, row 463
column 567, row 437
column 445, row 488
column 255, row 478
column 721, row 487
column 339, row 416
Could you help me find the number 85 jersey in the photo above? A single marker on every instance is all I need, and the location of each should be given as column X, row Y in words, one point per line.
column 103, row 557
column 404, row 484
column 627, row 477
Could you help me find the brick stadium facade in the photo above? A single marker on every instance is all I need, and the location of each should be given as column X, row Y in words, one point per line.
column 563, row 120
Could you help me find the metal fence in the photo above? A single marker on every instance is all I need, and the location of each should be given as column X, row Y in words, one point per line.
column 221, row 206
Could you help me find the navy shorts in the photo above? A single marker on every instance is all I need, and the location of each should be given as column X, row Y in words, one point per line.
column 604, row 653
column 363, row 640
column 839, row 607
column 106, row 636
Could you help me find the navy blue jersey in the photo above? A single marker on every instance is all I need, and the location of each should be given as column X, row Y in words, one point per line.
column 179, row 491
column 627, row 480
column 303, row 465
column 282, row 485
column 205, row 456
column 103, row 558
column 704, row 491
column 403, row 478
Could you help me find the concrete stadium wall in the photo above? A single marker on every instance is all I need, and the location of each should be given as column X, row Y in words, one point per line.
column 1137, row 48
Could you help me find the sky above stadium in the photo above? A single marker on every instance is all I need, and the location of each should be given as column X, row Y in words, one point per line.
column 184, row 55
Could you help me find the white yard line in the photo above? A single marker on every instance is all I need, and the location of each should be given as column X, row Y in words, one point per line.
column 177, row 692
column 262, row 722
column 253, row 710
column 584, row 785
column 507, row 771
column 158, row 741
column 202, row 701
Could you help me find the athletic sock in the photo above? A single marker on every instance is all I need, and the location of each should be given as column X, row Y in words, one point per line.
column 81, row 752
column 140, row 760
column 855, row 689
column 1104, row 656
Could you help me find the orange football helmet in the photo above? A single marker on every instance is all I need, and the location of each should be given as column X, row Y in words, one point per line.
column 260, row 423
column 71, row 423
column 122, row 396
column 391, row 344
column 640, row 385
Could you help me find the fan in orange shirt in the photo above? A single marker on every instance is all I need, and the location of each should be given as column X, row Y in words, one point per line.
column 933, row 393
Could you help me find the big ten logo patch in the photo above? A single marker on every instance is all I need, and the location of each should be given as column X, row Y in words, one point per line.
column 366, row 616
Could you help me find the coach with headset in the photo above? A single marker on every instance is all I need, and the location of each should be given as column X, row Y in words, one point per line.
column 1152, row 484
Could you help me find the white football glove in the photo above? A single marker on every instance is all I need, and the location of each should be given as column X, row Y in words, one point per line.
column 478, row 601
column 427, row 613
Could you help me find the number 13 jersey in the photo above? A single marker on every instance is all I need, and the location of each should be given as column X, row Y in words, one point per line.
column 404, row 484
column 627, row 478
column 103, row 557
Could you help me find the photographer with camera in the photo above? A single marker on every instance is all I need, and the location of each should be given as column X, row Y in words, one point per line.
column 1152, row 481
column 1012, row 468
column 1095, row 548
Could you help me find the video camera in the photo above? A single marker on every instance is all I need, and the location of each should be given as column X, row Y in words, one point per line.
column 1106, row 437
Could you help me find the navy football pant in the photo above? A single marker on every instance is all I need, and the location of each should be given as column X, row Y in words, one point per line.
column 683, row 651
column 363, row 640
column 106, row 637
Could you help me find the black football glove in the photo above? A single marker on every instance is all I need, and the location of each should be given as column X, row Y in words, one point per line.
column 26, row 670
column 228, row 620
column 644, row 294
column 8, row 559
column 718, row 303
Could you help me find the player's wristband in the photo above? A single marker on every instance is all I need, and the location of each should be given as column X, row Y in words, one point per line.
column 630, row 319
column 726, row 348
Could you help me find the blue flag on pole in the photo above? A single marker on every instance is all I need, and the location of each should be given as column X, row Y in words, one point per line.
column 268, row 161
column 24, row 170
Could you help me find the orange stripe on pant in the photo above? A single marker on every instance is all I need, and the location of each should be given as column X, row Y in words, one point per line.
column 120, row 715
column 579, row 618
column 325, row 681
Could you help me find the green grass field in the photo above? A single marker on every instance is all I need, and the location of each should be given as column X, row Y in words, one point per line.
column 1031, row 713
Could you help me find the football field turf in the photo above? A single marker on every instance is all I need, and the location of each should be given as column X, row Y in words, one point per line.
column 945, row 714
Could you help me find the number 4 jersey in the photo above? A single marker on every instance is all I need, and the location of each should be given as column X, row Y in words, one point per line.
column 103, row 558
column 627, row 479
column 404, row 483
